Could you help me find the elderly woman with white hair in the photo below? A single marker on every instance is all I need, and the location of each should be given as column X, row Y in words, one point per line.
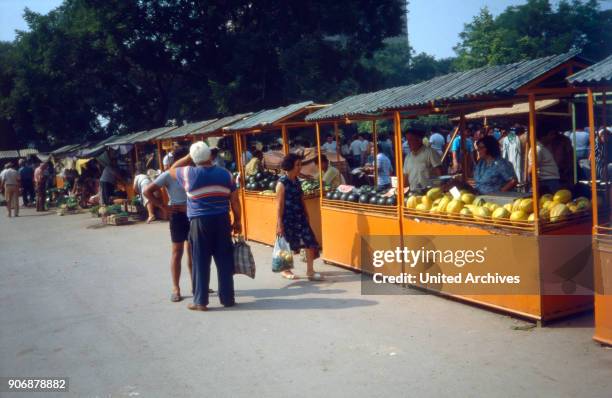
column 211, row 192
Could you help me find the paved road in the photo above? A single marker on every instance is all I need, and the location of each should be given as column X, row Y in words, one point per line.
column 93, row 304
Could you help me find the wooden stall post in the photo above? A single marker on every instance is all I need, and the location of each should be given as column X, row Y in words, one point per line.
column 397, row 138
column 464, row 152
column 285, row 139
column 159, row 157
column 321, row 186
column 375, row 143
column 242, row 179
column 574, row 142
column 534, row 163
column 594, row 200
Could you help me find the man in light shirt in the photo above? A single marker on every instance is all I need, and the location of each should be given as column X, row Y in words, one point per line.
column 421, row 162
column 365, row 148
column 331, row 175
column 355, row 150
column 437, row 142
column 330, row 145
column 9, row 184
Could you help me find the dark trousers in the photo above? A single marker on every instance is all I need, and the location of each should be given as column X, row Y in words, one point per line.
column 41, row 197
column 27, row 191
column 211, row 237
column 106, row 190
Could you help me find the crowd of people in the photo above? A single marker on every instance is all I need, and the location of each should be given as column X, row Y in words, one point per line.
column 497, row 158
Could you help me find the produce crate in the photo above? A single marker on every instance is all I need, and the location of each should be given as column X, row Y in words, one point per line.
column 64, row 212
column 114, row 219
column 134, row 209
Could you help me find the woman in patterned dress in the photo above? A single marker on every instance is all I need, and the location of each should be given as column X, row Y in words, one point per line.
column 292, row 218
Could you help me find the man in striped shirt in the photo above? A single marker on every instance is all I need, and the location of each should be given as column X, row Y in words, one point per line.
column 211, row 193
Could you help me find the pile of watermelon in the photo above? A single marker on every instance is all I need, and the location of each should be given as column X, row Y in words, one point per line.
column 365, row 194
column 263, row 181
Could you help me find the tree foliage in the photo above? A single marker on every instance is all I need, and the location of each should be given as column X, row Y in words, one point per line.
column 533, row 30
column 137, row 63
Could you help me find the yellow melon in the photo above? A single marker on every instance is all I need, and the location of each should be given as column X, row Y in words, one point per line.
column 466, row 213
column 482, row 213
column 545, row 198
column 526, row 205
column 500, row 213
column 562, row 196
column 423, row 207
column 434, row 193
column 454, row 206
column 518, row 216
column 559, row 212
column 468, row 198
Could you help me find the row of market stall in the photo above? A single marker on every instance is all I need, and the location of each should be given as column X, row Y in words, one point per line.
column 345, row 227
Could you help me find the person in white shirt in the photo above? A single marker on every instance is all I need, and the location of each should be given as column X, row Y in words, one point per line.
column 548, row 172
column 9, row 185
column 365, row 148
column 330, row 145
column 169, row 158
column 355, row 151
column 421, row 163
column 437, row 142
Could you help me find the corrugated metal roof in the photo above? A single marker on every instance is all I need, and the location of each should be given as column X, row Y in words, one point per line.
column 516, row 109
column 9, row 154
column 223, row 122
column 185, row 130
column 500, row 80
column 600, row 72
column 27, row 152
column 152, row 134
column 267, row 117
column 96, row 148
column 65, row 149
column 126, row 139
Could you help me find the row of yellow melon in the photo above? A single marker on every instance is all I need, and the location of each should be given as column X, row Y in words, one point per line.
column 553, row 208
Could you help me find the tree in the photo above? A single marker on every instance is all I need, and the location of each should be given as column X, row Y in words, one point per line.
column 535, row 30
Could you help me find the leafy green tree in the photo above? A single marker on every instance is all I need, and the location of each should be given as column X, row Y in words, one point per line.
column 535, row 29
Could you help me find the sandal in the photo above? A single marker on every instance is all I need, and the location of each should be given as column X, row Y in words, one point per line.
column 291, row 276
column 175, row 297
column 316, row 277
column 197, row 307
column 151, row 219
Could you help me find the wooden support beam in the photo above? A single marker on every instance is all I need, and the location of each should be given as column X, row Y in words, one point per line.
column 375, row 143
column 285, row 139
column 591, row 112
column 321, row 185
column 534, row 163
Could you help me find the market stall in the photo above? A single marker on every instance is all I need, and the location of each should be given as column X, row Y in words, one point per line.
column 429, row 213
column 598, row 80
column 269, row 131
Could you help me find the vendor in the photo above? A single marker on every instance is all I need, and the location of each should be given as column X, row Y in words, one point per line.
column 384, row 167
column 331, row 175
column 492, row 173
column 254, row 165
column 421, row 162
column 548, row 172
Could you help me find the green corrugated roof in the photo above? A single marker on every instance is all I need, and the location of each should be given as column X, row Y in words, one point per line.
column 267, row 117
column 598, row 73
column 491, row 81
column 152, row 134
column 185, row 130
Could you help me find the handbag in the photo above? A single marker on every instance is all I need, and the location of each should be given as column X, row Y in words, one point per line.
column 244, row 263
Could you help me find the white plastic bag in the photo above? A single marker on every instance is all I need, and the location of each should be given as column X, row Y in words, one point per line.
column 282, row 258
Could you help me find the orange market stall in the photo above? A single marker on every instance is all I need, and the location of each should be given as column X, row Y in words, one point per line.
column 598, row 79
column 522, row 243
column 270, row 128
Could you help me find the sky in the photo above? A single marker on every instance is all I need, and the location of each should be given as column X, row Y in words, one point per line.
column 433, row 25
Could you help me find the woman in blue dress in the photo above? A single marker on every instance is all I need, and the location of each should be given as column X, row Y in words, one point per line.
column 492, row 173
column 292, row 218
